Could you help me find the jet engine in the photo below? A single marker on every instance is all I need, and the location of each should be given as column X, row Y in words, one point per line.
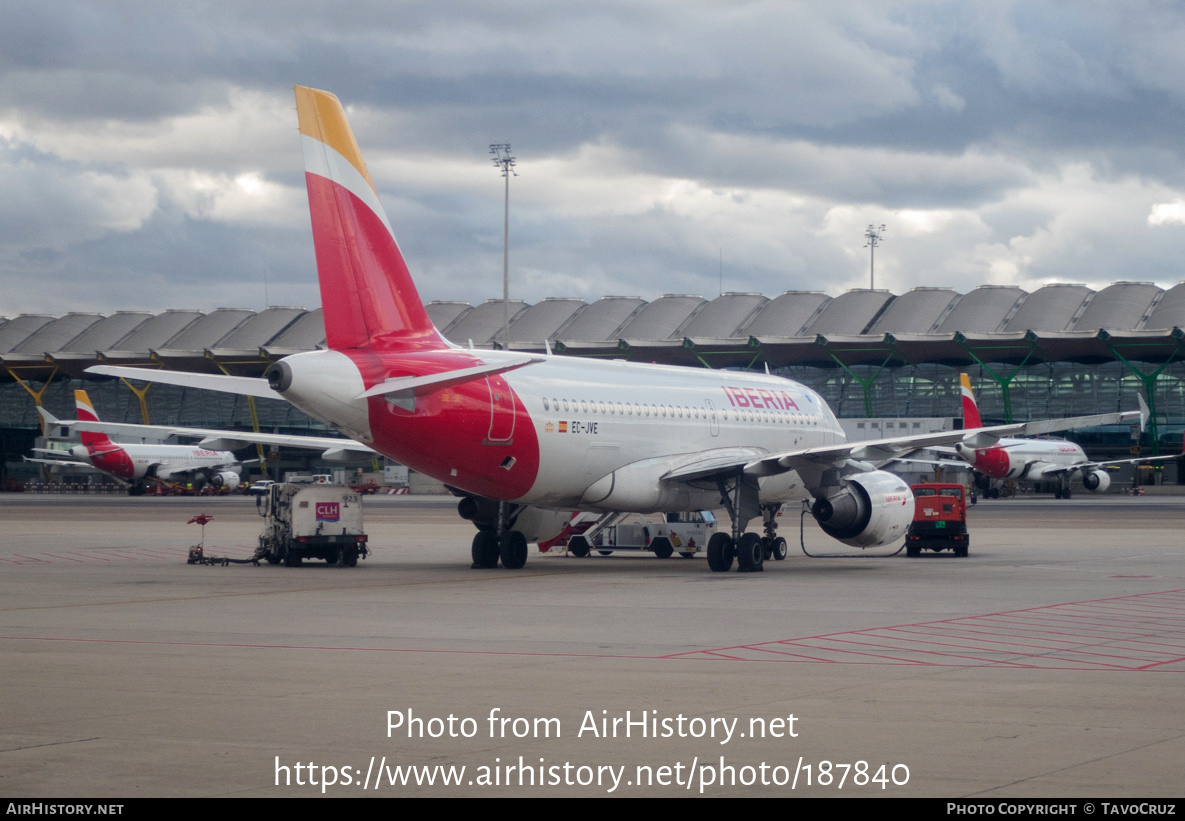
column 227, row 479
column 870, row 509
column 1097, row 481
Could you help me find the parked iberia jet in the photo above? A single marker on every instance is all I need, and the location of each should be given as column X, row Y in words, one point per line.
column 1035, row 460
column 136, row 463
column 525, row 439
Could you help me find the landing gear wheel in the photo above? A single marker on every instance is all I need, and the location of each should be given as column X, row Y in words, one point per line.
column 512, row 548
column 750, row 554
column 578, row 547
column 720, row 552
column 779, row 549
column 604, row 552
column 485, row 549
column 662, row 548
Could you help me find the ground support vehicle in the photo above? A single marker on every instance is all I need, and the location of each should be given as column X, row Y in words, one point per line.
column 662, row 535
column 939, row 520
column 311, row 521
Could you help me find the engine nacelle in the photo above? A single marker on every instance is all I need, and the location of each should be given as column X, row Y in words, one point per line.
column 227, row 479
column 871, row 509
column 1097, row 481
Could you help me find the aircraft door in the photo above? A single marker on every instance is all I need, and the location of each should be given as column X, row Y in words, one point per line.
column 713, row 418
column 501, row 411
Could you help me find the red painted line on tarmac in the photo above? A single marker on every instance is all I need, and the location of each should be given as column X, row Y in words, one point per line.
column 1068, row 647
column 1123, row 634
column 322, row 647
column 996, row 639
column 91, row 557
column 898, row 657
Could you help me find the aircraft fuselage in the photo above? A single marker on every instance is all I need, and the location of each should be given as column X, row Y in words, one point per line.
column 550, row 434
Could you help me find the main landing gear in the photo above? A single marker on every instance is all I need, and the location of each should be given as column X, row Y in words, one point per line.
column 495, row 539
column 1062, row 490
column 749, row 549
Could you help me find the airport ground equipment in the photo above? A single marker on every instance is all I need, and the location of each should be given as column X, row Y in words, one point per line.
column 311, row 521
column 685, row 533
column 197, row 555
column 939, row 520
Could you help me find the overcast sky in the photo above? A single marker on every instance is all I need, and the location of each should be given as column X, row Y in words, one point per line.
column 149, row 156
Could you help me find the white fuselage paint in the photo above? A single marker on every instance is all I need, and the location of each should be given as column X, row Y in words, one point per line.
column 1032, row 459
column 659, row 418
column 595, row 417
column 163, row 461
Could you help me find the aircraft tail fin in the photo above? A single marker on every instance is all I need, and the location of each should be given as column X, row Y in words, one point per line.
column 970, row 409
column 367, row 293
column 86, row 413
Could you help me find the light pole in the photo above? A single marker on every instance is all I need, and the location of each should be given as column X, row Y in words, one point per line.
column 504, row 161
column 874, row 236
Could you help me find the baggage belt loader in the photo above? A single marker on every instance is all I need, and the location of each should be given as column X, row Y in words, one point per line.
column 311, row 521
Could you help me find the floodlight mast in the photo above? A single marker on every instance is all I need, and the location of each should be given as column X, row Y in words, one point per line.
column 505, row 161
column 875, row 236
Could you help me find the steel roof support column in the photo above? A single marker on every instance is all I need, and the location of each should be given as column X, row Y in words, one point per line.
column 1148, row 379
column 865, row 383
column 251, row 410
column 36, row 394
column 698, row 354
column 141, row 395
column 1005, row 382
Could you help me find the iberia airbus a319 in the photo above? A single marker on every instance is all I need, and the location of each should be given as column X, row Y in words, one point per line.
column 137, row 464
column 525, row 439
column 1057, row 461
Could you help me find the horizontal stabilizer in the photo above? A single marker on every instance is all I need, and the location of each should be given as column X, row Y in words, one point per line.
column 67, row 462
column 421, row 384
column 242, row 385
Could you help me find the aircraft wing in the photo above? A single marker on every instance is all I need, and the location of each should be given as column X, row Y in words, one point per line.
column 68, row 462
column 193, row 469
column 945, row 464
column 252, row 386
column 226, row 439
column 885, row 450
column 1088, row 466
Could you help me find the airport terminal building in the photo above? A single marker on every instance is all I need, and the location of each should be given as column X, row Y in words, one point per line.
column 1062, row 350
